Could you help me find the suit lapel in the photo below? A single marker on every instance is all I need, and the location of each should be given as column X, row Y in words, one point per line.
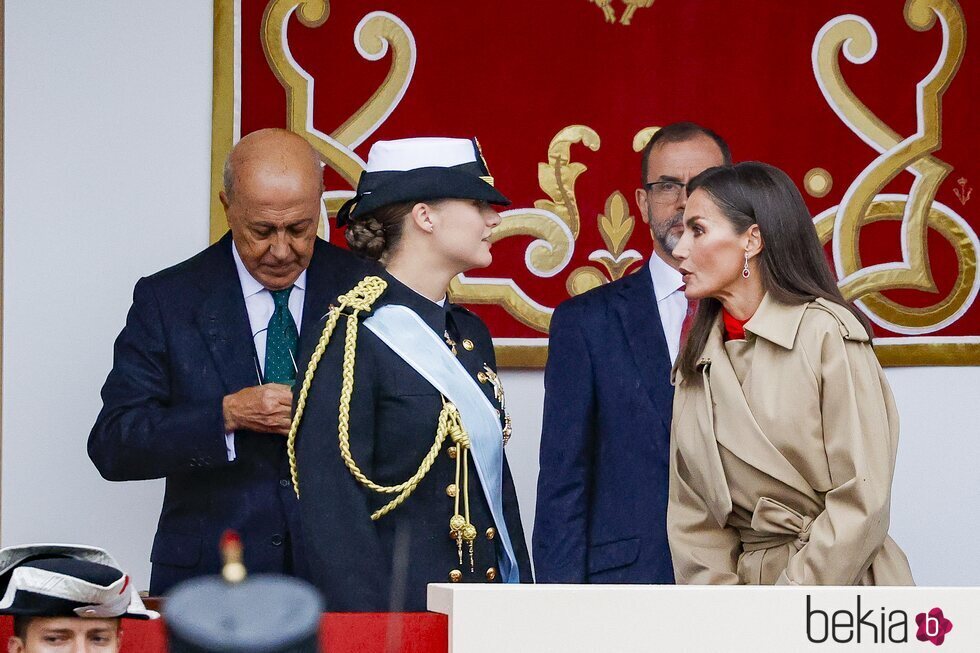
column 636, row 306
column 740, row 433
column 318, row 288
column 223, row 320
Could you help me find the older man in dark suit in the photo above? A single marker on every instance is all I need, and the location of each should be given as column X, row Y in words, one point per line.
column 200, row 389
column 602, row 491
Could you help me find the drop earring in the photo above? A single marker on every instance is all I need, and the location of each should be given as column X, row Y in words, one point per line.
column 745, row 270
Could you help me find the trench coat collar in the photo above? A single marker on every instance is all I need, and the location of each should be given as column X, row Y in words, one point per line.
column 776, row 322
column 736, row 428
column 779, row 323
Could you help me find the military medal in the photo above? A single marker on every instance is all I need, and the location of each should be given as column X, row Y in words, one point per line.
column 498, row 394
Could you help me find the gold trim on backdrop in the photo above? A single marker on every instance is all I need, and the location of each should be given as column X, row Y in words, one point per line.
column 516, row 357
column 222, row 107
column 928, row 354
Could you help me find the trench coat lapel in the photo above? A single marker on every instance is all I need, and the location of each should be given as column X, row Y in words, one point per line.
column 223, row 321
column 709, row 471
column 636, row 306
column 739, row 431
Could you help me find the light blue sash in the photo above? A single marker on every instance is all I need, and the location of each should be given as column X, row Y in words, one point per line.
column 407, row 335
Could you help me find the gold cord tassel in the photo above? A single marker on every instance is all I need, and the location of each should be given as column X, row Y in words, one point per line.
column 361, row 298
column 460, row 527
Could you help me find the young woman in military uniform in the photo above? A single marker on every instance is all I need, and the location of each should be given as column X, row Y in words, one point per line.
column 400, row 420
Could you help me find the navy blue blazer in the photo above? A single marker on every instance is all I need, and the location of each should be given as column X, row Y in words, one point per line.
column 186, row 344
column 602, row 490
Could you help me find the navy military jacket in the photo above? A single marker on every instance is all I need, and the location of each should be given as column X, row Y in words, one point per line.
column 385, row 565
column 187, row 344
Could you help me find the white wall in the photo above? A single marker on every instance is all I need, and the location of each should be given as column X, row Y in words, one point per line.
column 107, row 132
column 107, row 151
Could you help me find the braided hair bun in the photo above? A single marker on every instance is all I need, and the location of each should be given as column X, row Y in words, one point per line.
column 367, row 237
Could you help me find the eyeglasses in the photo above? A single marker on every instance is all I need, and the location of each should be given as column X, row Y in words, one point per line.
column 665, row 192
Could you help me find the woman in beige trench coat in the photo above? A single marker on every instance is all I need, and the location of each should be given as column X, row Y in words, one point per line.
column 784, row 428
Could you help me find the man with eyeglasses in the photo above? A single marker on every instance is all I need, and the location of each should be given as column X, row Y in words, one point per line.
column 601, row 512
column 200, row 388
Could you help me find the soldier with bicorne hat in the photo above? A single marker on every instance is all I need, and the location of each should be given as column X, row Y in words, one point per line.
column 66, row 597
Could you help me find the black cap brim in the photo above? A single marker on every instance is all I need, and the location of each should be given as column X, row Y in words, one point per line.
column 417, row 185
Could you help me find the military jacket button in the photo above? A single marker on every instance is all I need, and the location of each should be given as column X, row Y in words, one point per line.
column 451, row 489
column 468, row 344
column 455, row 575
column 491, row 574
column 482, row 377
column 491, row 533
column 452, row 452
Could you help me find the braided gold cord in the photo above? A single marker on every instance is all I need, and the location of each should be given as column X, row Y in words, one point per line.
column 360, row 298
column 450, row 424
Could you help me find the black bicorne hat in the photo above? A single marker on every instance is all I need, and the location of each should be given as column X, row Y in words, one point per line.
column 419, row 169
column 64, row 580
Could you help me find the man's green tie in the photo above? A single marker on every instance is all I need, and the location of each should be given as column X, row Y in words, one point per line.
column 280, row 343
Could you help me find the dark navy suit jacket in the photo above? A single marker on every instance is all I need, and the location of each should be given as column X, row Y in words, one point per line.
column 187, row 344
column 602, row 491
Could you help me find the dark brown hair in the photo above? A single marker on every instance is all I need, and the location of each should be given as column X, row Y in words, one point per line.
column 680, row 132
column 378, row 233
column 793, row 265
column 21, row 624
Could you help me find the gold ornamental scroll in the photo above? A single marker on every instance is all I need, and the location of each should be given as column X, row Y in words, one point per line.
column 918, row 211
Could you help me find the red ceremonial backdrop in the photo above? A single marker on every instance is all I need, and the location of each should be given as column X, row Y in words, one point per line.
column 865, row 104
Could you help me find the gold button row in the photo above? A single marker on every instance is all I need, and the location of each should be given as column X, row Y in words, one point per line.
column 456, row 575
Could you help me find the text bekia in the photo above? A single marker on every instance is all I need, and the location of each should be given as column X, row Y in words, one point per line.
column 873, row 625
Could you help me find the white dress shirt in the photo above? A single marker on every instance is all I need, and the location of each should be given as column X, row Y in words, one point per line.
column 260, row 307
column 671, row 302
